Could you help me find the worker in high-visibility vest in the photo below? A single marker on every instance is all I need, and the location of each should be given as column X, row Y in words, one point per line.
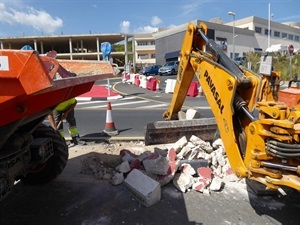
column 65, row 111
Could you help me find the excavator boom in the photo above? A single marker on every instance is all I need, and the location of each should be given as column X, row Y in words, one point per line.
column 260, row 134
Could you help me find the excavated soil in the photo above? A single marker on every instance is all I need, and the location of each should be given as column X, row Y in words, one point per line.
column 100, row 159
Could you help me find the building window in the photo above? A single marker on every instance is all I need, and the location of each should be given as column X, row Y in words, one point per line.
column 257, row 49
column 291, row 37
column 284, row 35
column 143, row 56
column 297, row 38
column 152, row 43
column 267, row 31
column 258, row 30
column 142, row 43
column 276, row 34
column 152, row 56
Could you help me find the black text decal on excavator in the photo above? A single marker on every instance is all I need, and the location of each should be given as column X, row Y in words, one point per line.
column 214, row 92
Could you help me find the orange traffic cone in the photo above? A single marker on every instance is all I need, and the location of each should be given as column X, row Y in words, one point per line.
column 110, row 125
column 200, row 91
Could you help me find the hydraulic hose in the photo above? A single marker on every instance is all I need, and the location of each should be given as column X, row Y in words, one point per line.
column 285, row 145
column 240, row 106
column 282, row 150
column 222, row 58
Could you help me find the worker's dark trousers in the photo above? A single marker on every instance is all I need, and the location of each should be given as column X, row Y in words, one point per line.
column 71, row 122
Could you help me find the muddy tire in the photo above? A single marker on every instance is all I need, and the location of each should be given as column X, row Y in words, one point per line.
column 55, row 165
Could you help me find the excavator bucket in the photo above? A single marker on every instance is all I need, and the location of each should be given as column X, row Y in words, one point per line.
column 163, row 132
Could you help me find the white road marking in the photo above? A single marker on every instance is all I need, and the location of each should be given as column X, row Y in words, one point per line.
column 114, row 104
column 152, row 106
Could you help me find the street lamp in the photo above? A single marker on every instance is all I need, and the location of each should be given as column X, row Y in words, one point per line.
column 233, row 19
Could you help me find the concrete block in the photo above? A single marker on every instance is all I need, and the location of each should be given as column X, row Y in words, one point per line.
column 196, row 140
column 144, row 155
column 204, row 172
column 216, row 184
column 162, row 152
column 181, row 115
column 183, row 181
column 136, row 164
column 171, row 155
column 187, row 168
column 200, row 184
column 221, row 159
column 117, row 179
column 193, row 114
column 184, row 151
column 178, row 145
column 143, row 188
column 123, row 167
column 127, row 155
column 196, row 163
column 214, row 160
column 203, row 155
column 194, row 153
column 156, row 164
column 218, row 143
column 173, row 167
column 217, row 171
column 206, row 146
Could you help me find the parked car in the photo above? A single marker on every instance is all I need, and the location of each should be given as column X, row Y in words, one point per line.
column 240, row 60
column 150, row 70
column 169, row 68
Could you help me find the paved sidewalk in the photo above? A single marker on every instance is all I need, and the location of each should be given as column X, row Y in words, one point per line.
column 99, row 92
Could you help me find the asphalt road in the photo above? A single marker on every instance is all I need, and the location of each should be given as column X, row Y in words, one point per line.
column 77, row 199
column 133, row 112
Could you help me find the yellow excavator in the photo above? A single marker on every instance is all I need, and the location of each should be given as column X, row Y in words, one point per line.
column 260, row 134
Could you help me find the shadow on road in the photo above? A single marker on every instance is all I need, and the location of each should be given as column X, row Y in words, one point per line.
column 75, row 198
column 282, row 208
column 93, row 136
column 79, row 197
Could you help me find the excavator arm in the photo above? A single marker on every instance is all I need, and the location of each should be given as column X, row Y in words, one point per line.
column 260, row 134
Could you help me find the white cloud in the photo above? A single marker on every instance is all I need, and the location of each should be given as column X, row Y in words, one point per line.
column 39, row 20
column 125, row 26
column 193, row 6
column 146, row 29
column 155, row 20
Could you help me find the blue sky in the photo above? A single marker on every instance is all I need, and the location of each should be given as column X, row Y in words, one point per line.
column 55, row 17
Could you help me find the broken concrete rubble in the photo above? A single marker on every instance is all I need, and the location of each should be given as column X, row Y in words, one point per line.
column 178, row 145
column 124, row 167
column 191, row 164
column 183, row 181
column 156, row 164
column 117, row 179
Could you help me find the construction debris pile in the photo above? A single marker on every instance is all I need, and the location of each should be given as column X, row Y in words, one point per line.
column 192, row 164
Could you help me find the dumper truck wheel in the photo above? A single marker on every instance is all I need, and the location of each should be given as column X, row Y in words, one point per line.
column 49, row 170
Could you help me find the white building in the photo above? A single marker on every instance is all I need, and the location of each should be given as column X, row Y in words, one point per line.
column 144, row 53
column 250, row 34
column 283, row 34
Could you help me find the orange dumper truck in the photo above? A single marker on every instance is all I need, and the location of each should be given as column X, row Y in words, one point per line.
column 31, row 85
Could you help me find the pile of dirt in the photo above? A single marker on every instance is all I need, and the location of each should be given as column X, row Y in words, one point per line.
column 101, row 158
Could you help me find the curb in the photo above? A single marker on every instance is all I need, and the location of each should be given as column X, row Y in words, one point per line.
column 87, row 138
